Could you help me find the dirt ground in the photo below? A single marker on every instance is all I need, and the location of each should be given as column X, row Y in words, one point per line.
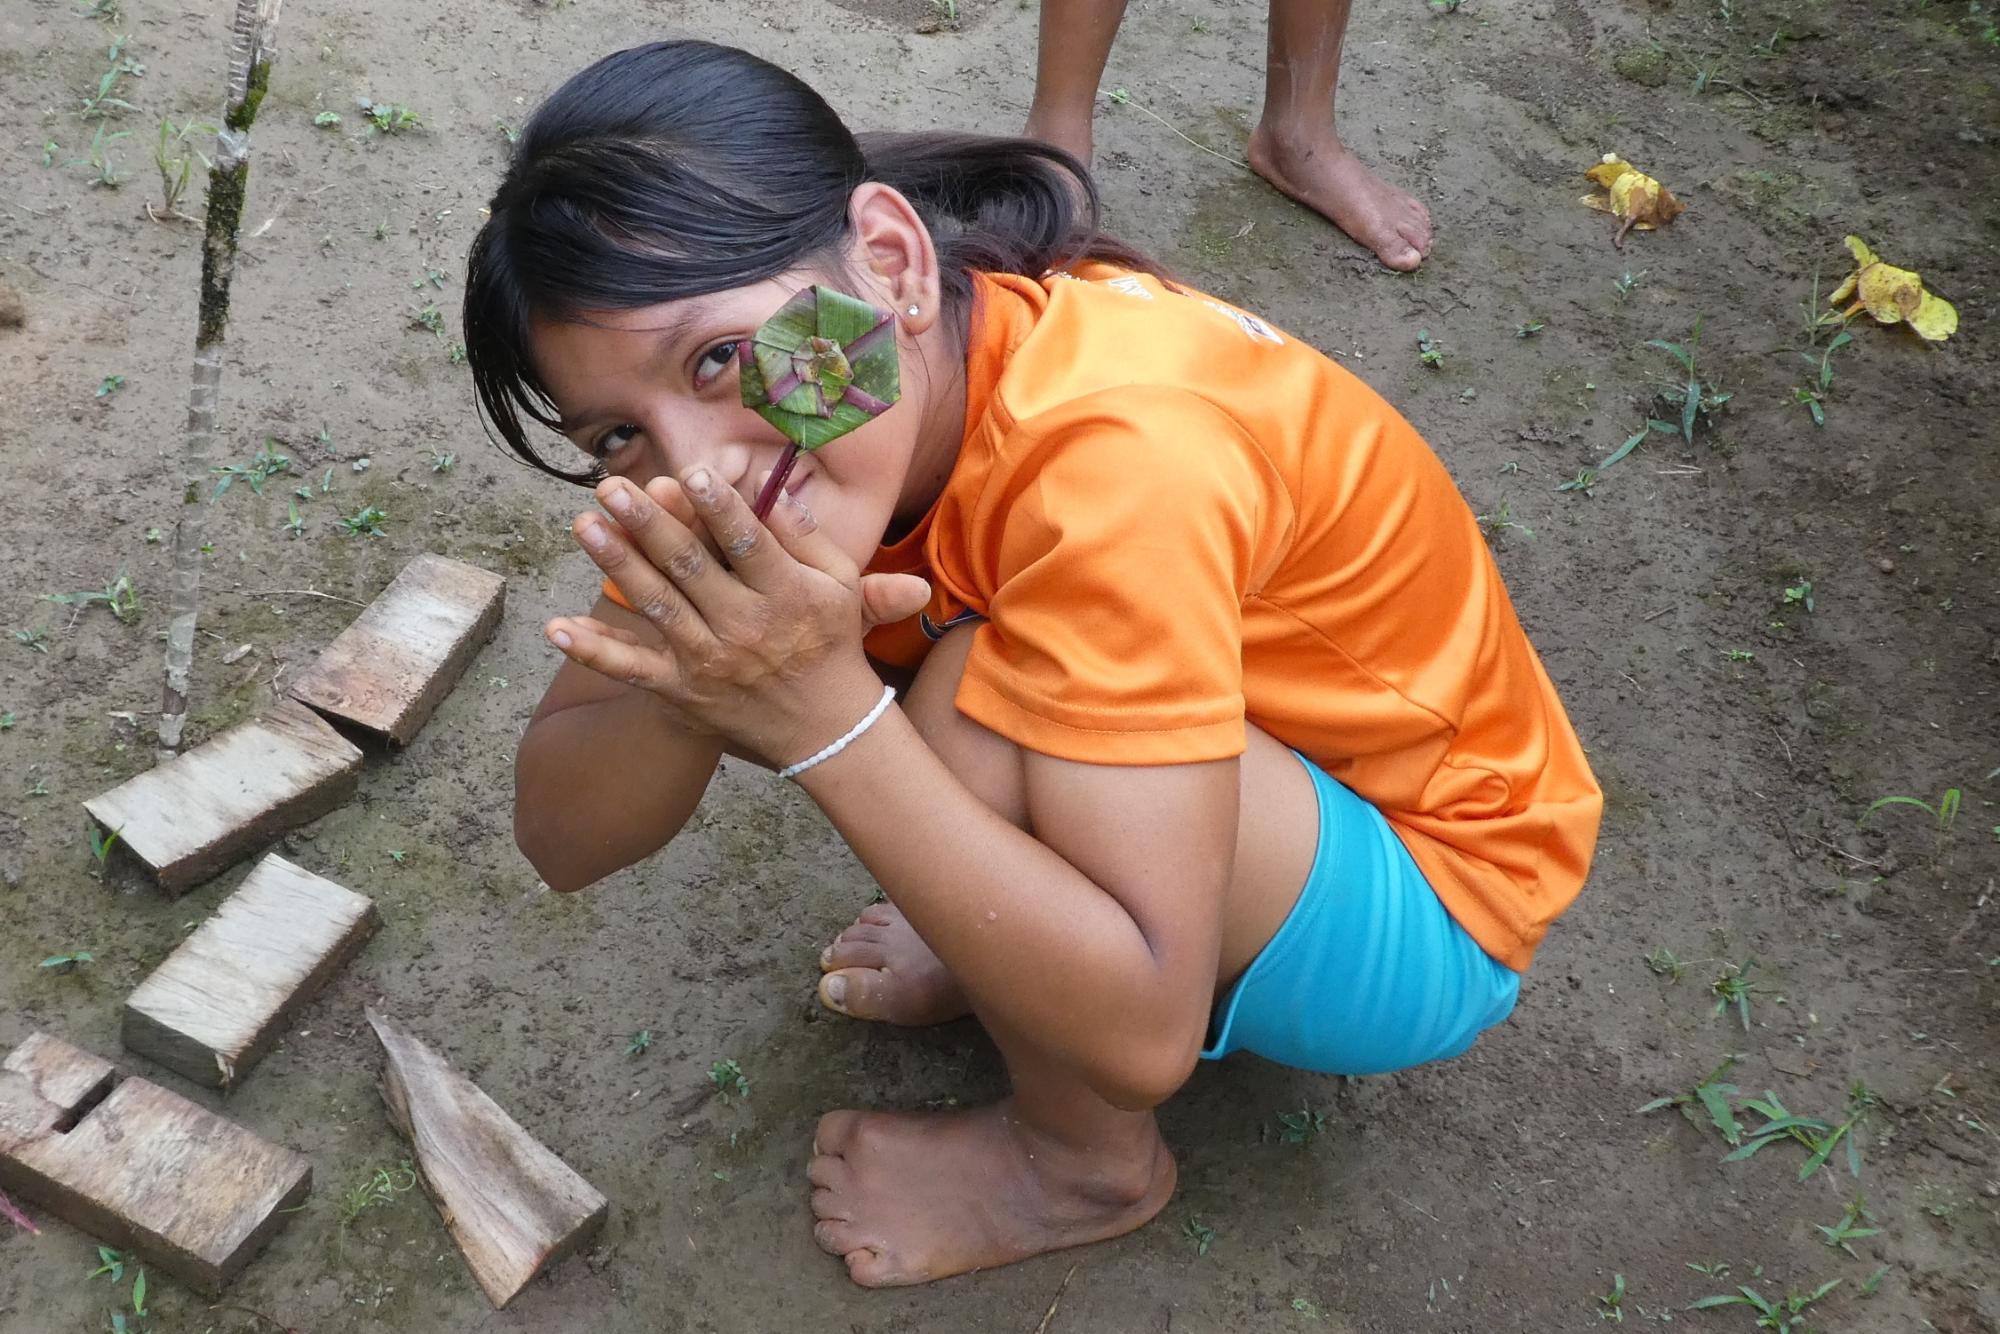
column 1741, row 732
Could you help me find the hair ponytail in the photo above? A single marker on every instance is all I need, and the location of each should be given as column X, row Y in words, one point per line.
column 997, row 205
column 681, row 168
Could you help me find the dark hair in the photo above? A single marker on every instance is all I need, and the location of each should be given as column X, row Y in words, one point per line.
column 677, row 169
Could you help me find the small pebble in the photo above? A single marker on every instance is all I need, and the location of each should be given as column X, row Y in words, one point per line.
column 236, row 655
column 1885, row 565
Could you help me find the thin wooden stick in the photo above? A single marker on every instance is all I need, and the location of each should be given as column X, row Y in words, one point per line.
column 1050, row 1314
column 253, row 41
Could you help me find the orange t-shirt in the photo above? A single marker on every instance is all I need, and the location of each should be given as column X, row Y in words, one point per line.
column 1173, row 517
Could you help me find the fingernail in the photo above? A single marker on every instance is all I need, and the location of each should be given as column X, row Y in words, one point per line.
column 836, row 990
column 620, row 501
column 700, row 485
column 596, row 536
column 560, row 638
column 826, row 956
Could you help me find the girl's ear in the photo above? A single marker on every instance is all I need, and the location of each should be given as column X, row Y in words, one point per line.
column 894, row 246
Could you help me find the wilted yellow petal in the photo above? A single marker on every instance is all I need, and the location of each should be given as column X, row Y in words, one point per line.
column 1935, row 318
column 1889, row 293
column 1893, row 295
column 1633, row 197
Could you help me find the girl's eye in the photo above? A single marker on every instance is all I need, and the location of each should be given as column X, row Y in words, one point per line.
column 613, row 440
column 713, row 362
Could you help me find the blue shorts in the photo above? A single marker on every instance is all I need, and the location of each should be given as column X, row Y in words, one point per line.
column 1369, row 973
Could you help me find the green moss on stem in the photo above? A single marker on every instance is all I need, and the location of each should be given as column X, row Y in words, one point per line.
column 218, row 251
column 260, row 83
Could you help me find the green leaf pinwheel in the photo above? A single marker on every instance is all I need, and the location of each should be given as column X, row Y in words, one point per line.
column 823, row 365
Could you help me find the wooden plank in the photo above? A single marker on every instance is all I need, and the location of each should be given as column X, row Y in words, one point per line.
column 199, row 812
column 191, row 1194
column 219, row 1001
column 394, row 665
column 513, row 1207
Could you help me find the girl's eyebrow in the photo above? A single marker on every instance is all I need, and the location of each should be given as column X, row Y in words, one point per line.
column 695, row 311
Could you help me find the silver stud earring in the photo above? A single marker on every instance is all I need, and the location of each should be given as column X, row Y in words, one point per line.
column 913, row 312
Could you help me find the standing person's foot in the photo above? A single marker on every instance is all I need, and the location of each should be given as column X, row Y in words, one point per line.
column 1322, row 173
column 907, row 1197
column 880, row 969
column 1067, row 132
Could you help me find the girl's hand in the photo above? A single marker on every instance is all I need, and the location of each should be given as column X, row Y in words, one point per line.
column 765, row 651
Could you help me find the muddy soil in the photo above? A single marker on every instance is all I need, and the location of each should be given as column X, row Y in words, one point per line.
column 1742, row 732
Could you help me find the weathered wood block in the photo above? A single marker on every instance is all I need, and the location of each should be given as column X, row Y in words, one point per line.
column 513, row 1207
column 196, row 814
column 191, row 1194
column 219, row 1001
column 391, row 668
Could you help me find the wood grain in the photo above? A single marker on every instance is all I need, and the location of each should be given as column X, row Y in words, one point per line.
column 513, row 1207
column 394, row 665
column 196, row 814
column 219, row 1001
column 191, row 1194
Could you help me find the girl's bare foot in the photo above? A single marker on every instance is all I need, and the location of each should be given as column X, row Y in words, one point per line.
column 906, row 1197
column 1065, row 130
column 1322, row 173
column 880, row 969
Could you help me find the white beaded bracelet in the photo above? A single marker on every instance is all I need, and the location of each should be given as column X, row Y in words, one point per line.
column 874, row 715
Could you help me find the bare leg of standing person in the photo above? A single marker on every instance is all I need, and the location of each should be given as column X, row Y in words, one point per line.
column 1295, row 148
column 1075, row 42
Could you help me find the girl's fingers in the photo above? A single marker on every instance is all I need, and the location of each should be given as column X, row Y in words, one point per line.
column 673, row 549
column 611, row 652
column 649, row 591
column 796, row 528
column 729, row 522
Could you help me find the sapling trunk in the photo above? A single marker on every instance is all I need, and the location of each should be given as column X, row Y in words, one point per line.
column 252, row 44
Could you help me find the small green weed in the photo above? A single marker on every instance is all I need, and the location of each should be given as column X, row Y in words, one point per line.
column 119, row 597
column 428, row 317
column 1202, row 1237
column 1500, row 520
column 1713, row 1095
column 295, row 523
column 443, row 461
column 1611, row 1306
column 1585, row 479
column 389, row 117
column 507, row 132
column 265, row 464
column 1780, row 1317
column 176, row 157
column 1738, row 655
column 381, row 1187
column 1735, row 988
column 109, row 385
column 1663, row 962
column 1800, row 595
column 1428, row 350
column 1302, row 1126
column 729, row 1079
column 1820, row 1138
column 365, row 522
column 639, row 1043
column 1529, row 328
column 1695, row 397
column 1813, row 396
column 99, row 159
column 7, row 721
column 327, row 120
column 1848, row 1230
column 110, row 1262
column 33, row 637
column 435, row 277
column 1625, row 283
column 67, row 961
column 104, row 101
column 1944, row 813
column 102, row 843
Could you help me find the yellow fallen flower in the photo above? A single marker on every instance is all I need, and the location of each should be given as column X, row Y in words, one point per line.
column 1891, row 294
column 1631, row 196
